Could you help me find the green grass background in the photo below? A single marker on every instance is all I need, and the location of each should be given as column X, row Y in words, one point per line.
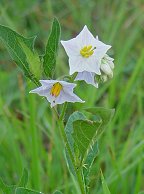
column 29, row 135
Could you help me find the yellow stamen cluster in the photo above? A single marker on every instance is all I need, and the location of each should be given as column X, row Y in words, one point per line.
column 87, row 51
column 56, row 89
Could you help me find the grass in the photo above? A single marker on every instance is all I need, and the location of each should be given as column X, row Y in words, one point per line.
column 29, row 134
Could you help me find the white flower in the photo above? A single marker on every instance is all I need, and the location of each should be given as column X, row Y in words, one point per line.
column 85, row 52
column 107, row 66
column 57, row 92
column 88, row 77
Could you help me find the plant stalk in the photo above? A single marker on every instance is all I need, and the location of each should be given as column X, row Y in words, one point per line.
column 34, row 144
column 78, row 171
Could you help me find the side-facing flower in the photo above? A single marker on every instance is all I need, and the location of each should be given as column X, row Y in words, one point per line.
column 85, row 52
column 88, row 77
column 57, row 92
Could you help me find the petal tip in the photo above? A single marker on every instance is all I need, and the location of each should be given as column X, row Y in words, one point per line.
column 85, row 26
column 32, row 91
column 97, row 37
column 62, row 41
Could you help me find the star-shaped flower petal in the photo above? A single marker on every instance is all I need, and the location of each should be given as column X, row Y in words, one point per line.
column 85, row 52
column 106, row 67
column 57, row 92
column 88, row 77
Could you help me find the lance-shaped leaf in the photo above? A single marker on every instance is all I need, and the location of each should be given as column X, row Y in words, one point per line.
column 51, row 49
column 10, row 39
column 33, row 60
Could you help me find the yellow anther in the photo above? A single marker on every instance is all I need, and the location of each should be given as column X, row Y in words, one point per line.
column 87, row 51
column 89, row 47
column 84, row 48
column 91, row 52
column 56, row 89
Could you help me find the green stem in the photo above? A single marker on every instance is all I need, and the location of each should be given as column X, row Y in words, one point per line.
column 63, row 111
column 35, row 144
column 80, row 181
column 78, row 171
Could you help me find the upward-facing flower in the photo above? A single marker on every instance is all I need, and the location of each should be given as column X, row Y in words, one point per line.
column 106, row 67
column 57, row 92
column 85, row 52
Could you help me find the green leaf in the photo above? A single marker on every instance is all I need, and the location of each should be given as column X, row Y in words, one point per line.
column 10, row 39
column 69, row 163
column 32, row 59
column 52, row 49
column 84, row 135
column 88, row 163
column 104, row 185
column 21, row 190
column 104, row 114
column 93, row 152
column 69, row 127
column 68, row 130
column 81, row 134
column 24, row 179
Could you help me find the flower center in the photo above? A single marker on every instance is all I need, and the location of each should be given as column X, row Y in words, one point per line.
column 87, row 51
column 56, row 89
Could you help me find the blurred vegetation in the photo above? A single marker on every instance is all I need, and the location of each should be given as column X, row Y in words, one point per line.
column 29, row 135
